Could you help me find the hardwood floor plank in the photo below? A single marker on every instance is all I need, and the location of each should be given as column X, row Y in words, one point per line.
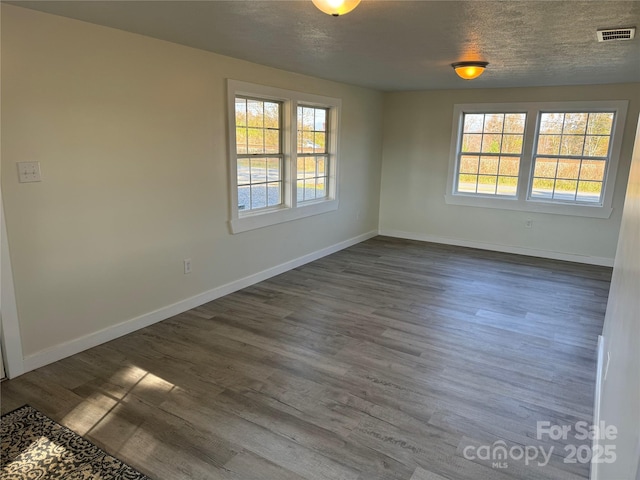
column 380, row 362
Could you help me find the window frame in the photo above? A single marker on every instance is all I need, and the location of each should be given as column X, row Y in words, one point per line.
column 522, row 200
column 250, row 156
column 290, row 209
column 315, row 155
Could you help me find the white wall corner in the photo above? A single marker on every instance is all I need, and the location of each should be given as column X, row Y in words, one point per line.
column 11, row 340
column 494, row 247
column 596, row 403
column 77, row 345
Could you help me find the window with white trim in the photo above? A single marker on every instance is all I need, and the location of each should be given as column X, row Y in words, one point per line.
column 259, row 153
column 556, row 157
column 283, row 155
column 312, row 153
column 490, row 153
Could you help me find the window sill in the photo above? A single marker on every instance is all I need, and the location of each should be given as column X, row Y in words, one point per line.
column 252, row 221
column 537, row 206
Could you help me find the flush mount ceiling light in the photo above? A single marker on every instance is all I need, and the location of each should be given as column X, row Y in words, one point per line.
column 336, row 7
column 469, row 70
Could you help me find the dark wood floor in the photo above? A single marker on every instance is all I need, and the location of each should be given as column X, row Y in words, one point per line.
column 382, row 361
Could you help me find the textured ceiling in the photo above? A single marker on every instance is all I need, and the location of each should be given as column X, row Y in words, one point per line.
column 393, row 45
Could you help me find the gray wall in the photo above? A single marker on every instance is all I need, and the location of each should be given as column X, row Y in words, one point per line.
column 131, row 136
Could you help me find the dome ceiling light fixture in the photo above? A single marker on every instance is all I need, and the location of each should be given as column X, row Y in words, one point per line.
column 336, row 8
column 469, row 70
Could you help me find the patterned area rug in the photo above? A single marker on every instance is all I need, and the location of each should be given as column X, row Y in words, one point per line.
column 36, row 447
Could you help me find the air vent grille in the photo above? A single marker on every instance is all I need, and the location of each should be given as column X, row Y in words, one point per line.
column 616, row 34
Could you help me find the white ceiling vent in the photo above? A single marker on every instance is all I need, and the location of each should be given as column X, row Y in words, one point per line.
column 616, row 34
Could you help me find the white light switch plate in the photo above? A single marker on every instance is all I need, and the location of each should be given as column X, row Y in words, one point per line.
column 29, row 172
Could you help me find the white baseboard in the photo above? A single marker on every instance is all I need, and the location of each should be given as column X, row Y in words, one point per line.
column 80, row 344
column 596, row 403
column 531, row 252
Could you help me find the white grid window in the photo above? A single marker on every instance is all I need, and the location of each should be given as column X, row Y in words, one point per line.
column 283, row 155
column 312, row 153
column 490, row 152
column 553, row 157
column 572, row 152
column 259, row 153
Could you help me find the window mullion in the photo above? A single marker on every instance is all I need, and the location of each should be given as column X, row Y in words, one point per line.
column 292, row 175
column 528, row 154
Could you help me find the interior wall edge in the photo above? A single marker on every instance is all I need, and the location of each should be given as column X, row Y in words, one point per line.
column 11, row 340
column 530, row 252
column 596, row 404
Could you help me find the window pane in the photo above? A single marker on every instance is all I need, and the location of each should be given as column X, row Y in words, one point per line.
column 592, row 170
column 545, row 167
column 273, row 172
column 467, row 183
column 469, row 164
column 514, row 123
column 473, row 123
column 471, row 142
column 312, row 127
column 551, row 123
column 589, row 192
column 311, row 177
column 321, row 187
column 272, row 141
column 320, row 120
column 308, row 145
column 310, row 189
column 507, row 186
column 600, row 123
column 572, row 145
column 565, row 190
column 512, row 144
column 322, row 167
column 244, row 172
column 491, row 143
column 258, row 196
column 241, row 112
column 493, row 133
column 244, row 198
column 255, row 113
column 568, row 169
column 493, row 122
column 489, row 165
column 596, row 146
column 542, row 188
column 258, row 170
column 256, row 140
column 273, row 194
column 549, row 144
column 308, row 118
column 241, row 140
column 509, row 166
column 272, row 115
column 487, row 184
column 575, row 123
column 319, row 141
column 310, row 167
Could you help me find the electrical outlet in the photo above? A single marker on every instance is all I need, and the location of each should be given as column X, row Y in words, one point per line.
column 187, row 266
column 528, row 223
column 29, row 172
